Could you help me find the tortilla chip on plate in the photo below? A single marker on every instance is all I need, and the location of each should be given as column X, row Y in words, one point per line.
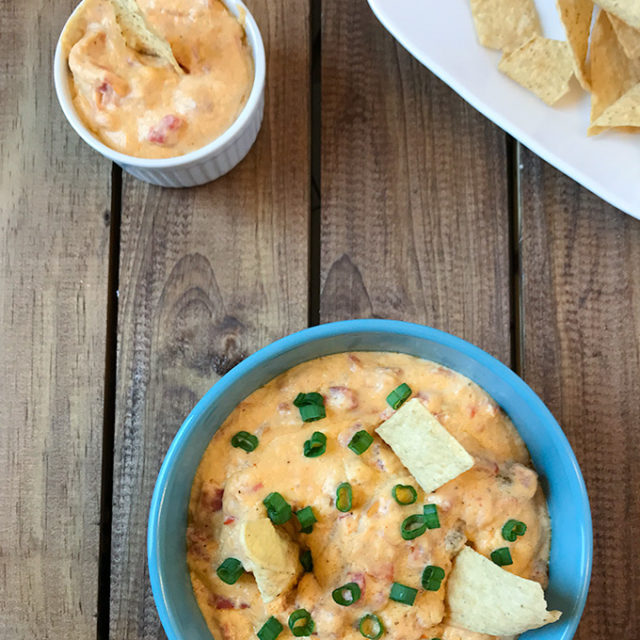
column 576, row 18
column 140, row 35
column 430, row 453
column 613, row 74
column 541, row 65
column 505, row 24
column 628, row 37
column 484, row 598
column 627, row 10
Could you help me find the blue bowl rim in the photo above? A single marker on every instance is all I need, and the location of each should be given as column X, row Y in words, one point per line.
column 328, row 330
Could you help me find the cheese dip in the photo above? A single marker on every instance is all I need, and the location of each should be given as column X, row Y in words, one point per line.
column 355, row 532
column 139, row 105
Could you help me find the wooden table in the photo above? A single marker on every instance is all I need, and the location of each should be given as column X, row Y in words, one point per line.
column 373, row 191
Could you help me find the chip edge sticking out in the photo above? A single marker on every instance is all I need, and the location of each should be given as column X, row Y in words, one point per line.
column 140, row 35
column 414, row 420
column 515, row 63
column 576, row 17
column 623, row 9
column 484, row 598
column 628, row 36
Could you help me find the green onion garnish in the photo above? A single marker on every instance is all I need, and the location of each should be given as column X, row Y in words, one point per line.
column 432, row 578
column 270, row 630
column 512, row 529
column 413, row 526
column 404, row 494
column 431, row 516
column 311, row 406
column 316, row 445
column 306, row 561
column 347, row 594
column 278, row 509
column 244, row 440
column 371, row 626
column 230, row 570
column 502, row 556
column 399, row 395
column 306, row 518
column 301, row 623
column 344, row 497
column 402, row 593
column 360, row 442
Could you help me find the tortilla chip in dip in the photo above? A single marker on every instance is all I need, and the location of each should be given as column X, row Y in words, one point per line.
column 613, row 74
column 626, row 10
column 484, row 598
column 430, row 453
column 140, row 35
column 628, row 37
column 505, row 24
column 541, row 65
column 576, row 18
column 270, row 556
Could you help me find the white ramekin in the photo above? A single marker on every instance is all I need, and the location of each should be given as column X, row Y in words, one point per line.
column 199, row 166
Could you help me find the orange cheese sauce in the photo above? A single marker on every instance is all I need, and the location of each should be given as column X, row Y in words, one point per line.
column 137, row 105
column 364, row 545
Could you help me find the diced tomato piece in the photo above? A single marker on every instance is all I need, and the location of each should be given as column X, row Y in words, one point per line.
column 223, row 603
column 257, row 487
column 161, row 133
column 229, row 520
column 343, row 398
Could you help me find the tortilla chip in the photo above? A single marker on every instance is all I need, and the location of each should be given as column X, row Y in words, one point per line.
column 140, row 35
column 270, row 556
column 505, row 24
column 628, row 37
column 627, row 10
column 576, row 17
column 625, row 112
column 613, row 74
column 484, row 598
column 430, row 453
column 541, row 65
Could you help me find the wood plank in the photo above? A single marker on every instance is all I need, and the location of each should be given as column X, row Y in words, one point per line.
column 208, row 275
column 581, row 264
column 54, row 246
column 414, row 190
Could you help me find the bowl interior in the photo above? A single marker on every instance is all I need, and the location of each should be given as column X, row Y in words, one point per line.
column 571, row 548
column 254, row 39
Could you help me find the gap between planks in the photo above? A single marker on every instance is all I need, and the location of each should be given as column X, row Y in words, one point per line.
column 109, row 412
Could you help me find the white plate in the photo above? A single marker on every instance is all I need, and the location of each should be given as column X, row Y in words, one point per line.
column 442, row 37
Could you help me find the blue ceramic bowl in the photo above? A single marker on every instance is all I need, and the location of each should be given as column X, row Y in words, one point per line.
column 571, row 546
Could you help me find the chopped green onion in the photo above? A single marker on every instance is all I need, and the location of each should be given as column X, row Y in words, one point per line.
column 344, row 497
column 502, row 556
column 402, row 593
column 230, row 570
column 278, row 509
column 404, row 494
column 301, row 623
column 244, row 440
column 360, row 442
column 270, row 630
column 432, row 578
column 304, row 399
column 431, row 516
column 347, row 594
column 311, row 406
column 512, row 529
column 316, row 445
column 413, row 526
column 399, row 395
column 306, row 518
column 306, row 561
column 371, row 626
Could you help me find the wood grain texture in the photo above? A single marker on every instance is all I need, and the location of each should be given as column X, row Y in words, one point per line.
column 54, row 242
column 581, row 295
column 208, row 275
column 414, row 190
